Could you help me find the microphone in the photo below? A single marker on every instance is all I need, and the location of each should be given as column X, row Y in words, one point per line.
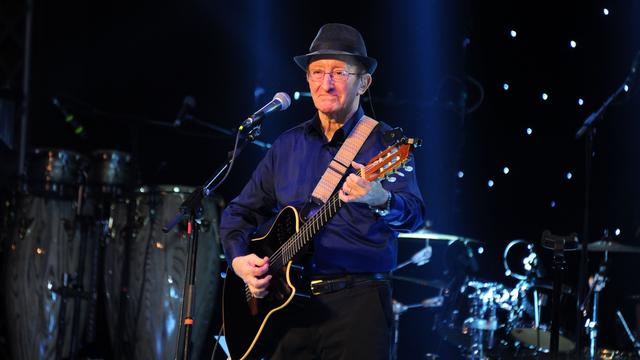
column 280, row 102
column 635, row 68
column 70, row 119
column 188, row 104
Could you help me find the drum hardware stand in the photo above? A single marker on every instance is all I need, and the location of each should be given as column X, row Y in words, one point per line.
column 192, row 209
column 75, row 291
column 559, row 244
column 420, row 258
column 123, row 348
column 632, row 338
column 591, row 325
column 399, row 308
column 588, row 128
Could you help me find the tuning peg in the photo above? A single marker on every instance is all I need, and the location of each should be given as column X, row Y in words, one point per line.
column 391, row 179
column 408, row 168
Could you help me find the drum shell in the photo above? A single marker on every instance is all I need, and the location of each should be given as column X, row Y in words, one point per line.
column 54, row 172
column 522, row 326
column 46, row 243
column 144, row 277
column 110, row 172
column 476, row 310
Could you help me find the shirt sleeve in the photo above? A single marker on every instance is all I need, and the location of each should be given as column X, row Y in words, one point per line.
column 255, row 204
column 407, row 210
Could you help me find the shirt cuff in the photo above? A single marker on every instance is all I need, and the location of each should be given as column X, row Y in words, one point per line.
column 233, row 249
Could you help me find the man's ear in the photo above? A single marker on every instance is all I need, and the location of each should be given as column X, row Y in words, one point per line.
column 365, row 82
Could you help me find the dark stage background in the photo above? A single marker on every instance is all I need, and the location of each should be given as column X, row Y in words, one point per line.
column 496, row 90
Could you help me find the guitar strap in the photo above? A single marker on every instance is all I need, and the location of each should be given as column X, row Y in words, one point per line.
column 341, row 162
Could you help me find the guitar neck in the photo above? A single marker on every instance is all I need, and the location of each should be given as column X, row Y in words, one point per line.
column 308, row 230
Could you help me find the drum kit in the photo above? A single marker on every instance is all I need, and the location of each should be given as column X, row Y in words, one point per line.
column 489, row 320
column 87, row 258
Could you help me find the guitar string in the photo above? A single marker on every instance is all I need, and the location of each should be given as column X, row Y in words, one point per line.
column 293, row 245
column 290, row 248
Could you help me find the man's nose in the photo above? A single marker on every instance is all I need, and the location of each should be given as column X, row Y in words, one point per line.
column 327, row 81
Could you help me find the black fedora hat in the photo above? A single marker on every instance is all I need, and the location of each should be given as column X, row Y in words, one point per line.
column 337, row 40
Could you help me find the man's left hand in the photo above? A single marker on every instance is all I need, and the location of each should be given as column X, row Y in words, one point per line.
column 357, row 189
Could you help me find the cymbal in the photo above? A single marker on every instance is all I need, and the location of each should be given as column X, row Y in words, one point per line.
column 431, row 235
column 610, row 246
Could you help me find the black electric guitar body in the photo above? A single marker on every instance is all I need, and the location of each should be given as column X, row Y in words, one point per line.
column 251, row 325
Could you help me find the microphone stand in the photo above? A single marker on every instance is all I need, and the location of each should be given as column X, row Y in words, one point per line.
column 192, row 209
column 588, row 129
column 632, row 338
column 559, row 244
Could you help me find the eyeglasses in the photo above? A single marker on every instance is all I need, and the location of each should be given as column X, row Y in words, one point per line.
column 337, row 75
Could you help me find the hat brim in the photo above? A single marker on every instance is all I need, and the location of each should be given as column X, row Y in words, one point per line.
column 303, row 60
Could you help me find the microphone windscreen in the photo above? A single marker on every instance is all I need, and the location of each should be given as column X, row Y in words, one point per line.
column 284, row 99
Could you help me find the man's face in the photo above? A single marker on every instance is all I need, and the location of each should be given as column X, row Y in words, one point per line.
column 334, row 95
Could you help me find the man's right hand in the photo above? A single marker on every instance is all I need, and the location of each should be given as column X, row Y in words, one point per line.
column 251, row 269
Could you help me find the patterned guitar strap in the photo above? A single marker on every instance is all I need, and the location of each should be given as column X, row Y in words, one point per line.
column 341, row 162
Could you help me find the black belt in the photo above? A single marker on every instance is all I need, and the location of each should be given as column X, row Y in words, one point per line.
column 327, row 285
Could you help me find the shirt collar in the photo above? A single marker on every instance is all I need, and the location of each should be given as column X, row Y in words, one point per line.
column 314, row 124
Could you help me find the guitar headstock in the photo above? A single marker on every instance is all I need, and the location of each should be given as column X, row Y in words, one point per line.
column 390, row 159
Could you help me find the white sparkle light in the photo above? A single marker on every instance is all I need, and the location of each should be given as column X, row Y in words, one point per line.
column 569, row 175
column 529, row 131
column 505, row 86
column 460, row 174
column 626, row 88
column 605, row 11
column 573, row 44
column 617, row 232
column 553, row 204
column 490, row 183
column 545, row 96
column 580, row 102
column 513, row 33
column 505, row 170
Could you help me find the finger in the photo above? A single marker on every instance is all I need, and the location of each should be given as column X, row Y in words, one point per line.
column 356, row 165
column 344, row 197
column 346, row 188
column 259, row 261
column 259, row 271
column 261, row 284
column 259, row 293
column 360, row 181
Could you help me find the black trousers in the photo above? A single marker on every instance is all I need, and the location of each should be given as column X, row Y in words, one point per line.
column 353, row 323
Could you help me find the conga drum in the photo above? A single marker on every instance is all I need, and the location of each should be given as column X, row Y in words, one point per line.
column 144, row 274
column 46, row 301
column 110, row 173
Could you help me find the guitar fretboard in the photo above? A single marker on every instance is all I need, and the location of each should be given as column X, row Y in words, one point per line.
column 296, row 242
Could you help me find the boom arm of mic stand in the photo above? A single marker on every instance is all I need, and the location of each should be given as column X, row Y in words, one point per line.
column 228, row 132
column 192, row 204
column 588, row 123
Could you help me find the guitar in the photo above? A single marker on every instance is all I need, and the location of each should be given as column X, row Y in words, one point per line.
column 250, row 324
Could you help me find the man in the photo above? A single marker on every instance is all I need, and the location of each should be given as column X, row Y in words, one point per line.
column 349, row 315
